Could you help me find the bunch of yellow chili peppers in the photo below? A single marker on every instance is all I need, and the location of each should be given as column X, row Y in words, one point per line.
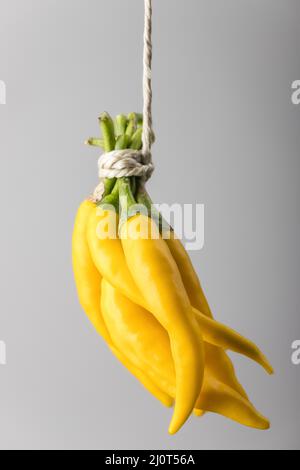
column 144, row 298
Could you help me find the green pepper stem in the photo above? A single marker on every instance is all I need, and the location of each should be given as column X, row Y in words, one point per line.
column 123, row 142
column 95, row 142
column 132, row 123
column 121, row 123
column 136, row 141
column 127, row 199
column 139, row 120
column 109, row 184
column 111, row 199
column 108, row 132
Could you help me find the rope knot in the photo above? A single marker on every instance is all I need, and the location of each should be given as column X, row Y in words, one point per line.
column 125, row 163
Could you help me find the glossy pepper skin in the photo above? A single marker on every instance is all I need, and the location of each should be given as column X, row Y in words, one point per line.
column 147, row 345
column 188, row 274
column 87, row 277
column 107, row 253
column 88, row 282
column 143, row 378
column 156, row 275
column 134, row 333
column 217, row 334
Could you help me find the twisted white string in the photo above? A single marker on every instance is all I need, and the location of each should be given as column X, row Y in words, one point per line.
column 126, row 163
column 147, row 83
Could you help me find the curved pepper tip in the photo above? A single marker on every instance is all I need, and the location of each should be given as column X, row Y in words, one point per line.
column 173, row 430
column 267, row 366
column 267, row 426
column 175, row 425
column 263, row 425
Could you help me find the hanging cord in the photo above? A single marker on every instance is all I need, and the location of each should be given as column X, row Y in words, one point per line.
column 147, row 82
column 126, row 163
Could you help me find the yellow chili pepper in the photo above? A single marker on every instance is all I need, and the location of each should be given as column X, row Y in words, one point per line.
column 147, row 345
column 218, row 397
column 156, row 275
column 220, row 335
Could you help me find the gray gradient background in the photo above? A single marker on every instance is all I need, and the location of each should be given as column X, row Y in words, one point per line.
column 224, row 119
